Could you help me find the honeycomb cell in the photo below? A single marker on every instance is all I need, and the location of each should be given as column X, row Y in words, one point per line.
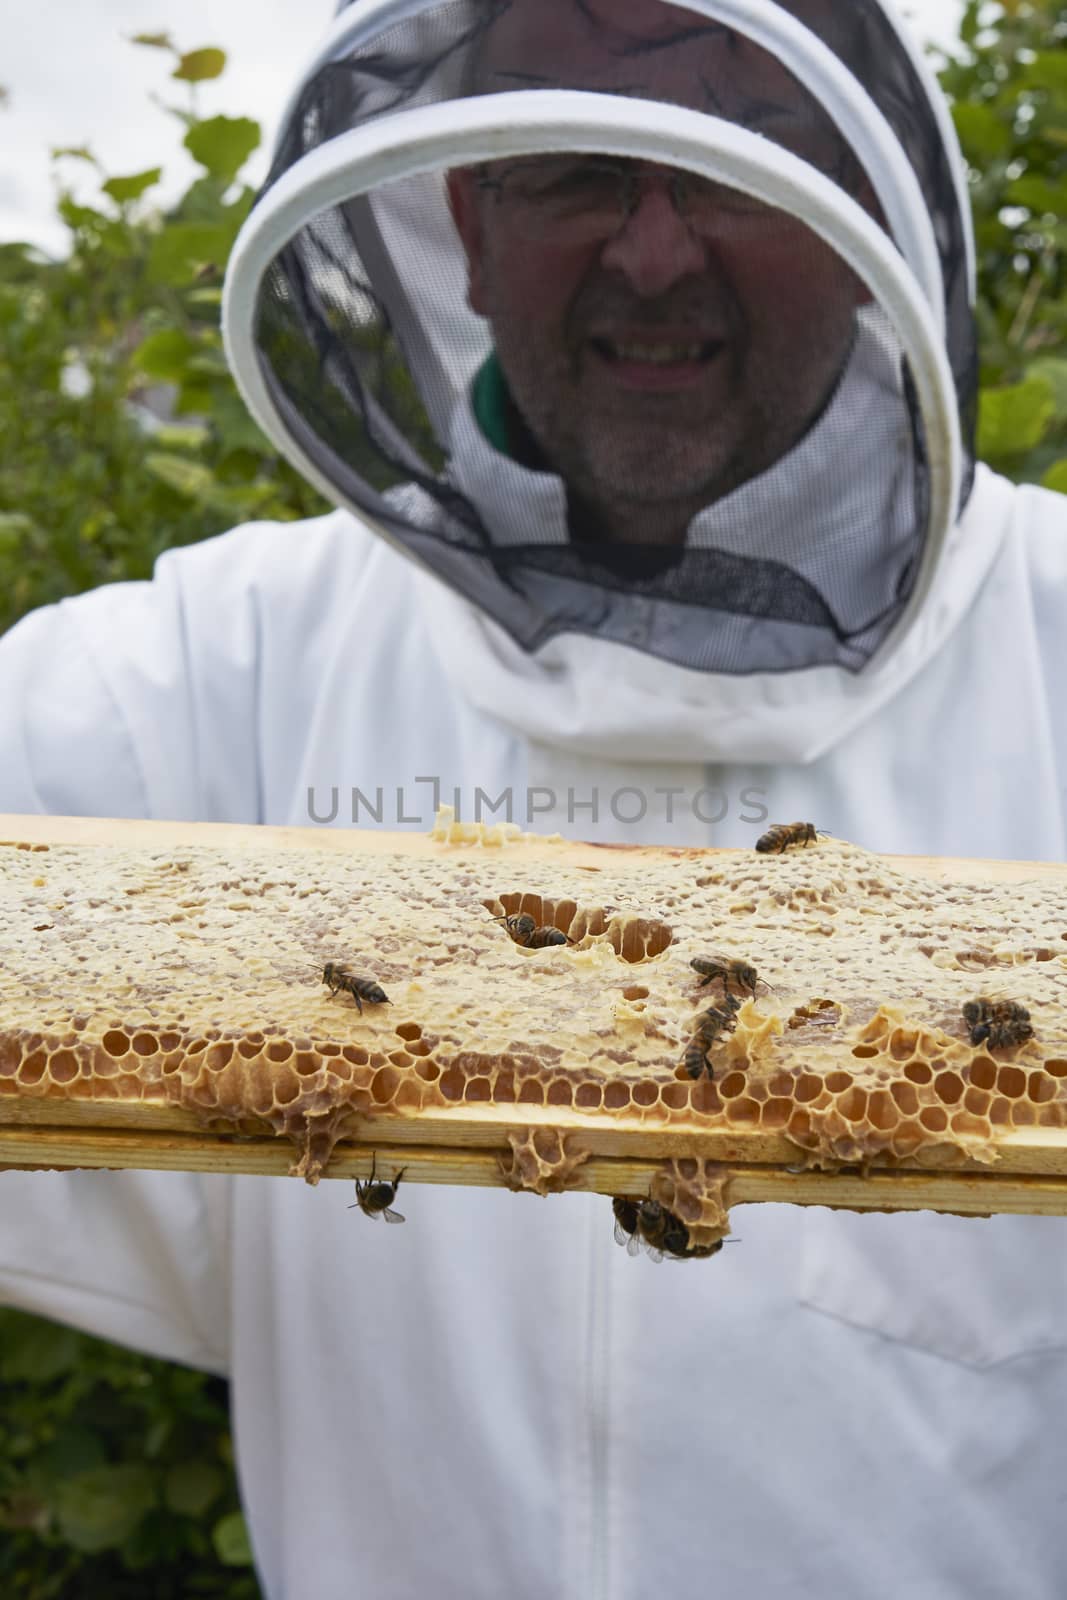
column 731, row 1086
column 478, row 1089
column 588, row 1096
column 280, row 1050
column 984, row 1072
column 616, row 1095
column 865, row 1051
column 838, row 1082
column 852, row 1104
column 776, row 1113
column 906, row 1098
column 116, row 1043
column 934, row 1118
column 948, row 1087
column 384, row 1085
column 1041, row 1088
column 745, row 1111
column 219, row 1056
column 645, row 1094
column 63, row 1067
column 33, row 1068
column 1011, row 1081
column 560, row 1093
column 408, row 1031
column 918, row 1072
column 977, row 1101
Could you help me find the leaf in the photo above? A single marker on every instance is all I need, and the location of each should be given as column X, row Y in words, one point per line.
column 230, row 1538
column 133, row 187
column 1048, row 70
column 1013, row 419
column 99, row 1509
column 983, row 135
column 74, row 1450
column 1053, row 369
column 33, row 1351
column 1056, row 477
column 181, row 249
column 190, row 1487
column 1039, row 194
column 223, row 144
column 165, row 355
column 77, row 152
column 155, row 41
column 199, row 65
column 188, row 478
column 176, row 436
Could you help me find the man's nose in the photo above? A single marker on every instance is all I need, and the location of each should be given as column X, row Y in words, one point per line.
column 655, row 246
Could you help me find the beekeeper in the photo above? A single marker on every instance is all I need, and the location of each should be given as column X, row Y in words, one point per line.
column 635, row 346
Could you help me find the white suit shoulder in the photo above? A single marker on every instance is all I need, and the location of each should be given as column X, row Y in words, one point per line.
column 146, row 698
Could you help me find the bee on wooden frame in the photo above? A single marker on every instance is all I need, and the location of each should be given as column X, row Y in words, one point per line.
column 783, row 834
column 375, row 1197
column 339, row 978
column 647, row 1225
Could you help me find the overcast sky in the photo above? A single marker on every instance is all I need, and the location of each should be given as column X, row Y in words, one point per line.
column 72, row 78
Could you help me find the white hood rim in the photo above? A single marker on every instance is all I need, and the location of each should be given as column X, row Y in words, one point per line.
column 857, row 118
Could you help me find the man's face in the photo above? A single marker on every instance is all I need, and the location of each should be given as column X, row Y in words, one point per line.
column 667, row 348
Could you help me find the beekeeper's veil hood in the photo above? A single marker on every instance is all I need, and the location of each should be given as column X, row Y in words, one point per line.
column 647, row 330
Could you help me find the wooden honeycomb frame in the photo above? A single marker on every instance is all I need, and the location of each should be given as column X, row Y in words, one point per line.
column 160, row 1006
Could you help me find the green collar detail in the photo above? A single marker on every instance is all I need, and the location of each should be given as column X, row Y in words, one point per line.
column 491, row 403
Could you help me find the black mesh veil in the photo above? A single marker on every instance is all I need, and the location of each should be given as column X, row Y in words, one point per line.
column 606, row 393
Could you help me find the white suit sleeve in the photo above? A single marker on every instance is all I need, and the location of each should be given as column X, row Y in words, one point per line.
column 64, row 747
column 137, row 1257
column 134, row 1257
column 97, row 718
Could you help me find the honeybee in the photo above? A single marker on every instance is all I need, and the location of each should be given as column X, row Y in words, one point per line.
column 339, row 978
column 714, row 1022
column 525, row 932
column 999, row 1023
column 627, row 1213
column 541, row 938
column 375, row 1199
column 783, row 834
column 645, row 1224
column 520, row 928
column 739, row 973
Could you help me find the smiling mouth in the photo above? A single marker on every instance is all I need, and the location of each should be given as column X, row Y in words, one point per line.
column 657, row 353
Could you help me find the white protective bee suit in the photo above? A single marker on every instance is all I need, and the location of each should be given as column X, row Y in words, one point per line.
column 495, row 1399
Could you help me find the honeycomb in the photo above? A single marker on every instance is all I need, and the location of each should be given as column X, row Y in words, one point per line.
column 191, row 978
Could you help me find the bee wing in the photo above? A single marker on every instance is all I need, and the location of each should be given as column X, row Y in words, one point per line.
column 622, row 1235
column 392, row 1216
column 654, row 1252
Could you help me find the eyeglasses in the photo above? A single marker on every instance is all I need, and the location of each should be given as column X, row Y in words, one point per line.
column 599, row 195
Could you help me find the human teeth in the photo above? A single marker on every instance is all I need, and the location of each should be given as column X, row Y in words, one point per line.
column 661, row 353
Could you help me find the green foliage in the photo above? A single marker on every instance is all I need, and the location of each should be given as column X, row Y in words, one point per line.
column 1007, row 80
column 115, row 1474
column 116, row 1470
column 124, row 325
